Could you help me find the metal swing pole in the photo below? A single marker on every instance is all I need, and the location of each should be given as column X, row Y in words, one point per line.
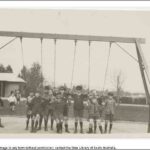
column 142, row 69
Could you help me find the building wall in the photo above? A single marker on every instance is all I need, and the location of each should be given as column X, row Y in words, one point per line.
column 10, row 87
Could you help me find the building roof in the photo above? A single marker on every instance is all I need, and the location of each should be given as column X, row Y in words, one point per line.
column 10, row 77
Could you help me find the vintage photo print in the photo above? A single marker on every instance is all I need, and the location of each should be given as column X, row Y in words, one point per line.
column 74, row 72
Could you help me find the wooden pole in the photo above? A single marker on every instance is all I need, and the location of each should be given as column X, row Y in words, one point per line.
column 71, row 37
column 142, row 68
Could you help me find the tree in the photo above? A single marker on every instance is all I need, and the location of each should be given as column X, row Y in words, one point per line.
column 9, row 69
column 33, row 77
column 2, row 68
column 118, row 80
column 24, row 73
column 36, row 77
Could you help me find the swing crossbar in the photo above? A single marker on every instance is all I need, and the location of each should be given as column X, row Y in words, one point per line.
column 72, row 37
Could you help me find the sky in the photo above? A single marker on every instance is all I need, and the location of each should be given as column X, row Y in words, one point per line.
column 83, row 22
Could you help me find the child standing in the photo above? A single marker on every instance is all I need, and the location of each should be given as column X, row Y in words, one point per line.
column 18, row 96
column 59, row 106
column 36, row 111
column 29, row 108
column 65, row 99
column 95, row 111
column 101, row 112
column 79, row 99
column 12, row 101
column 45, row 108
column 51, row 107
column 109, row 111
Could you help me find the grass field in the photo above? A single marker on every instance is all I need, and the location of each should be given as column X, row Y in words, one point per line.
column 135, row 113
column 128, row 119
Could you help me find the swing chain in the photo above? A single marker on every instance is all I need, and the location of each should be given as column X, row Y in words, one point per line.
column 21, row 39
column 75, row 42
column 55, row 40
column 41, row 60
column 41, row 39
column 107, row 66
column 74, row 57
column 41, row 53
column 110, row 44
column 90, row 43
column 89, row 68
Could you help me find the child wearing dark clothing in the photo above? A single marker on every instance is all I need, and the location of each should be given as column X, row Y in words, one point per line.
column 59, row 106
column 79, row 99
column 18, row 96
column 36, row 111
column 29, row 108
column 65, row 99
column 51, row 107
column 109, row 111
column 45, row 106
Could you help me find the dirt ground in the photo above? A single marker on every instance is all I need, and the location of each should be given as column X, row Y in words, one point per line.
column 16, row 125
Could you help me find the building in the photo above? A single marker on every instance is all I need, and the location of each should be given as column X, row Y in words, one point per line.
column 9, row 82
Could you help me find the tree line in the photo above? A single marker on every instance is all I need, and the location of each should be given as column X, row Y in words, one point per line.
column 5, row 69
column 33, row 77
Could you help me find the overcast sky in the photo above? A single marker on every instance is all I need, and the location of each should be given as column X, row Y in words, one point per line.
column 103, row 23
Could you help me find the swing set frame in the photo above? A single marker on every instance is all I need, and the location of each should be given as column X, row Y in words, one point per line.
column 137, row 41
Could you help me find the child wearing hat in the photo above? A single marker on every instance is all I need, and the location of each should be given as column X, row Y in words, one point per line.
column 100, row 101
column 109, row 111
column 36, row 111
column 94, row 111
column 29, row 108
column 65, row 99
column 45, row 108
column 59, row 105
column 79, row 99
column 51, row 107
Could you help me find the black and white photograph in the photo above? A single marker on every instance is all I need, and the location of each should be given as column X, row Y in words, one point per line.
column 74, row 72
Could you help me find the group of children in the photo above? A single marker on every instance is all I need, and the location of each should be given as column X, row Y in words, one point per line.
column 13, row 99
column 56, row 104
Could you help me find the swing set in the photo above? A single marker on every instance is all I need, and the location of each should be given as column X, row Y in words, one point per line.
column 111, row 40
